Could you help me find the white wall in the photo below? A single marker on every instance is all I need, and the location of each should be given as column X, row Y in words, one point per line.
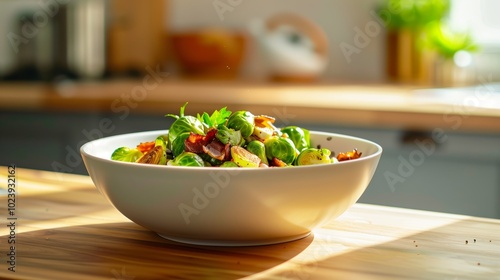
column 338, row 18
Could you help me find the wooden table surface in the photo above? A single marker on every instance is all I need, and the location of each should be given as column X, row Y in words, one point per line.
column 64, row 229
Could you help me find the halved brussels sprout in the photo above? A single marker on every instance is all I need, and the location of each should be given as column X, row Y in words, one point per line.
column 242, row 121
column 314, row 156
column 188, row 159
column 299, row 137
column 161, row 141
column 126, row 154
column 154, row 156
column 281, row 148
column 244, row 158
column 258, row 148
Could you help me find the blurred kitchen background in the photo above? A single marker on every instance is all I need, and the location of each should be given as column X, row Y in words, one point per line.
column 49, row 49
column 50, row 40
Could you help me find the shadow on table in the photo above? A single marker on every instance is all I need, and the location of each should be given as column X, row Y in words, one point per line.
column 128, row 251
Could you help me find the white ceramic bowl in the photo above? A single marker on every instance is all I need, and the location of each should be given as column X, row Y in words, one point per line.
column 231, row 206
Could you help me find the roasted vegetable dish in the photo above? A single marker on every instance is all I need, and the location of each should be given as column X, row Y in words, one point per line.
column 230, row 139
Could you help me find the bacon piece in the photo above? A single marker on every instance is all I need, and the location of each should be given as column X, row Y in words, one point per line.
column 208, row 144
column 278, row 162
column 195, row 142
column 227, row 152
column 262, row 119
column 145, row 147
column 215, row 149
column 354, row 154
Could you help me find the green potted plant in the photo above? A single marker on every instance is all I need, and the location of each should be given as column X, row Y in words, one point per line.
column 406, row 22
column 452, row 48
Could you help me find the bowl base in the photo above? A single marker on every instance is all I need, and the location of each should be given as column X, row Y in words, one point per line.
column 235, row 243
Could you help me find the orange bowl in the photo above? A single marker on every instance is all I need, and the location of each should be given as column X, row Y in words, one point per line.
column 209, row 53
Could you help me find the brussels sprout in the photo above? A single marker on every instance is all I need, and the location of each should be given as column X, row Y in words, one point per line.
column 126, row 154
column 184, row 124
column 299, row 137
column 154, row 156
column 281, row 148
column 188, row 159
column 229, row 135
column 259, row 149
column 314, row 156
column 210, row 161
column 178, row 146
column 229, row 164
column 161, row 141
column 244, row 158
column 242, row 121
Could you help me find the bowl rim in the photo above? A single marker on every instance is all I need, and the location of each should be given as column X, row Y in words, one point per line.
column 85, row 153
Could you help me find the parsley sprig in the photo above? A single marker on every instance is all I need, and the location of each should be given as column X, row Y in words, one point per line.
column 217, row 118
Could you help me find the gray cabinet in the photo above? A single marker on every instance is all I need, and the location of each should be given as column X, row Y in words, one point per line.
column 458, row 175
column 51, row 141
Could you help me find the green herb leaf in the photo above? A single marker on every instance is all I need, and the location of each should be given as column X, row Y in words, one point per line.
column 217, row 118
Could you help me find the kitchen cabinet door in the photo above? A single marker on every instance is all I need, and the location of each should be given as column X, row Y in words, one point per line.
column 459, row 175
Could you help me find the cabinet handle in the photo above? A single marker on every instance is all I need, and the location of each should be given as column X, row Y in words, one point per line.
column 411, row 137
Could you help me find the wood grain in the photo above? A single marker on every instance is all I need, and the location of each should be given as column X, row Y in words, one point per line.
column 66, row 230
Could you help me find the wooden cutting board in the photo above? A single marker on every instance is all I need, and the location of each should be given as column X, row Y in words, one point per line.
column 64, row 229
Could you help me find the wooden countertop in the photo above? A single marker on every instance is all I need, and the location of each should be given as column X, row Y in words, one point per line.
column 367, row 105
column 64, row 229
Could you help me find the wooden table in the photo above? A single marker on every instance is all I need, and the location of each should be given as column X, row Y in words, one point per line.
column 64, row 229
